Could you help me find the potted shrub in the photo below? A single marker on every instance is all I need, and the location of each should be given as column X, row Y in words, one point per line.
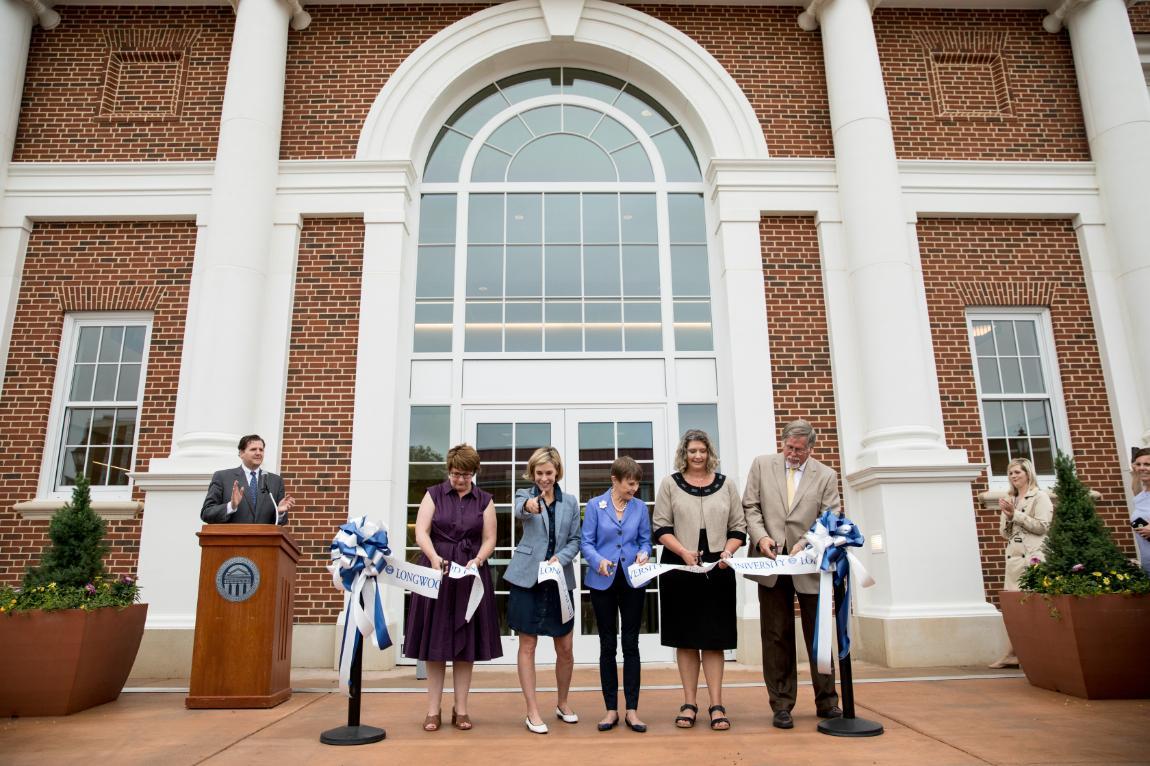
column 71, row 632
column 1080, row 622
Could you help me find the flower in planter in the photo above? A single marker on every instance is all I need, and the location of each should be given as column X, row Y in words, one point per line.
column 71, row 573
column 1081, row 557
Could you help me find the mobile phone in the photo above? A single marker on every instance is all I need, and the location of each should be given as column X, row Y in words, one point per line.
column 1138, row 522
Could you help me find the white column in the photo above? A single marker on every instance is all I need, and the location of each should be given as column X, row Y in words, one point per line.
column 1116, row 108
column 223, row 361
column 15, row 34
column 890, row 329
column 897, row 464
column 232, row 375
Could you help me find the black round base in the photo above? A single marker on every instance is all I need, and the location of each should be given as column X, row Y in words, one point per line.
column 850, row 727
column 352, row 735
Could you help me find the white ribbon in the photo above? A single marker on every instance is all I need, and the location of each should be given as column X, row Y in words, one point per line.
column 554, row 572
column 458, row 572
column 804, row 562
column 422, row 580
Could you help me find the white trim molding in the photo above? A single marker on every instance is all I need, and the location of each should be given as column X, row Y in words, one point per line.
column 109, row 510
column 913, row 474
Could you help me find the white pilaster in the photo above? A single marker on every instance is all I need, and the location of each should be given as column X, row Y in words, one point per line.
column 15, row 34
column 1116, row 108
column 225, row 356
column 895, row 458
column 379, row 431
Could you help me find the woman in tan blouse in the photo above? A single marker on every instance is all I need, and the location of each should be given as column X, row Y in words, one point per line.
column 1026, row 515
column 698, row 519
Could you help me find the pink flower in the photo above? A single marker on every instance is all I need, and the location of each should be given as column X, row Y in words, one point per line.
column 91, row 589
column 1035, row 560
column 1077, row 567
column 126, row 580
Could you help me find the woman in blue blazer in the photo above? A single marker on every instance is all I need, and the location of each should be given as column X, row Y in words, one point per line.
column 616, row 534
column 550, row 521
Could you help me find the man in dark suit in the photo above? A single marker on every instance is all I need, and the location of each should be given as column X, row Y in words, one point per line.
column 248, row 494
column 785, row 493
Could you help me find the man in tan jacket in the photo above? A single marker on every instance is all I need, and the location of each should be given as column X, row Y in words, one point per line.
column 785, row 494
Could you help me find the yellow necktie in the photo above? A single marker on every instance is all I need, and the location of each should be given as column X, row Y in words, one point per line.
column 790, row 487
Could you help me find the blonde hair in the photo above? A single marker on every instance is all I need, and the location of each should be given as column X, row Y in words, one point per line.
column 544, row 455
column 1028, row 469
column 695, row 435
column 464, row 458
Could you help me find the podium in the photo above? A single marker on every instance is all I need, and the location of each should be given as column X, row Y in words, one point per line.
column 242, row 652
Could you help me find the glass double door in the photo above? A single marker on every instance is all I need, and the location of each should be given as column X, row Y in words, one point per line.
column 588, row 441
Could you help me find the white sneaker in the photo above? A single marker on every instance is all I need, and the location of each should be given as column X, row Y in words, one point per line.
column 535, row 728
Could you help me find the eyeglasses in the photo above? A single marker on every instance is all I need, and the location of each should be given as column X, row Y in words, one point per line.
column 458, row 475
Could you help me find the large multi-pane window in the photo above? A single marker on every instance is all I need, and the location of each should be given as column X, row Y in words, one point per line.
column 563, row 212
column 99, row 397
column 1014, row 365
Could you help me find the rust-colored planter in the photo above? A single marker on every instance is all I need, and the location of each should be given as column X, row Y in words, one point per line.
column 59, row 663
column 1087, row 646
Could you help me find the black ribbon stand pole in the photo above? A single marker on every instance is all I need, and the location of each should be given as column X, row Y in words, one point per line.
column 848, row 725
column 354, row 733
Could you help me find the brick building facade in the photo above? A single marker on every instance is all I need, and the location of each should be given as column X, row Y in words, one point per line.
column 282, row 197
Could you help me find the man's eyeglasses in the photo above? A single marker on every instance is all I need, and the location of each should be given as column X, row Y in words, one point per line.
column 459, row 475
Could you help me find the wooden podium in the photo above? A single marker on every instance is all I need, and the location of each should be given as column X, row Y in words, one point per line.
column 242, row 652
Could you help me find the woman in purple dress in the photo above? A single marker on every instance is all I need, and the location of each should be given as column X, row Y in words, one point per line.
column 456, row 522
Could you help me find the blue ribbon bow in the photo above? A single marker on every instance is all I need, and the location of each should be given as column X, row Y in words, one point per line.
column 357, row 553
column 832, row 534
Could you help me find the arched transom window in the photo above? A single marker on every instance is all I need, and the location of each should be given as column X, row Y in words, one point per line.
column 562, row 212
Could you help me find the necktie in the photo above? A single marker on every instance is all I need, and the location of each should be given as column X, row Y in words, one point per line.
column 252, row 493
column 790, row 487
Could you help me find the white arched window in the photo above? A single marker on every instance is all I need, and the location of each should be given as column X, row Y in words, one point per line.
column 562, row 213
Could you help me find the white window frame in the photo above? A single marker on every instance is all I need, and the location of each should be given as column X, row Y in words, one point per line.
column 1049, row 364
column 53, row 441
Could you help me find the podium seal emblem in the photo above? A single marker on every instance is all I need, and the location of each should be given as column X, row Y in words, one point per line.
column 237, row 579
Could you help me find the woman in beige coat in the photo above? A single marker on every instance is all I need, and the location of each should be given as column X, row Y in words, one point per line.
column 1026, row 515
column 699, row 520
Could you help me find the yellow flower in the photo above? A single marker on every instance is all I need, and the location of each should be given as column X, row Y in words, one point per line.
column 51, row 586
column 1121, row 577
column 1046, row 582
column 1105, row 580
column 1096, row 574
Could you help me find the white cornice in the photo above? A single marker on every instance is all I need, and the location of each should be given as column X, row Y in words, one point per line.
column 173, row 481
column 913, row 474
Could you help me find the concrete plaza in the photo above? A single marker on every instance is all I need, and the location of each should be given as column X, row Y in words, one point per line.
column 936, row 716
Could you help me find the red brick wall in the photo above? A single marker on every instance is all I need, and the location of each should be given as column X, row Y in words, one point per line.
column 136, row 266
column 1019, row 262
column 60, row 117
column 797, row 328
column 1140, row 18
column 338, row 65
column 778, row 66
column 1046, row 120
column 320, row 401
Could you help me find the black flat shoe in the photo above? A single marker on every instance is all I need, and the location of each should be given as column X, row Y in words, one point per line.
column 639, row 728
column 609, row 726
column 783, row 720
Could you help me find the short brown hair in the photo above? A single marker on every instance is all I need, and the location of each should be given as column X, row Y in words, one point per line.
column 246, row 440
column 544, row 455
column 625, row 468
column 463, row 458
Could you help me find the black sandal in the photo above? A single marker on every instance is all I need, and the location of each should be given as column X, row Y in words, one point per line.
column 686, row 722
column 716, row 723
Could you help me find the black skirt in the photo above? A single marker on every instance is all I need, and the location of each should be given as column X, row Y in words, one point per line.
column 536, row 611
column 697, row 611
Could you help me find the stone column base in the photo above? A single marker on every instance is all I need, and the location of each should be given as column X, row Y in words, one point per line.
column 916, row 642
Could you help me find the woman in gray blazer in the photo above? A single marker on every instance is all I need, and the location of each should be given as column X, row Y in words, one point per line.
column 551, row 532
